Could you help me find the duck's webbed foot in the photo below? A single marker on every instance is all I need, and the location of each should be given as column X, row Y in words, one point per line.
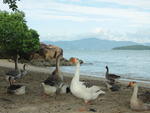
column 87, row 102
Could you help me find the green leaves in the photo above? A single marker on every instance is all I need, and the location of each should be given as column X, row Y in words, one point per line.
column 15, row 37
column 12, row 4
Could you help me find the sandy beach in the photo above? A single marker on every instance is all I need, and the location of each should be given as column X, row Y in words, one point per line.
column 34, row 102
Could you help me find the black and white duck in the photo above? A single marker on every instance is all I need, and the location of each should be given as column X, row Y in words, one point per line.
column 111, row 77
column 15, row 89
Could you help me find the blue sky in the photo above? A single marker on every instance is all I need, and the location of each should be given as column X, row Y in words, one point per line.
column 121, row 20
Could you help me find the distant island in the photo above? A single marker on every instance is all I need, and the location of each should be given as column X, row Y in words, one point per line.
column 92, row 44
column 133, row 47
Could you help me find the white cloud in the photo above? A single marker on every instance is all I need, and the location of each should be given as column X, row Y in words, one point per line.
column 134, row 16
column 141, row 36
column 98, row 30
column 145, row 4
column 53, row 15
column 75, row 0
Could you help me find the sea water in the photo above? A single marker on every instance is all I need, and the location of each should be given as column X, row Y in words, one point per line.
column 129, row 64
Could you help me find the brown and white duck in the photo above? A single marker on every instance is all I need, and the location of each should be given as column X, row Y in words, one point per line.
column 54, row 83
column 136, row 103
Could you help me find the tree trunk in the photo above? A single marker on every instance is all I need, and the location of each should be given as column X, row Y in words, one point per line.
column 16, row 62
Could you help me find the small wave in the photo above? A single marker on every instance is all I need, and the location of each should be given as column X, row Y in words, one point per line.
column 87, row 64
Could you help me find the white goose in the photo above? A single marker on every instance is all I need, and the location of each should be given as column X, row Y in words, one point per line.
column 82, row 89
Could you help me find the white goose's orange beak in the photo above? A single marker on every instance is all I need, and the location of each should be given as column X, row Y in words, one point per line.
column 73, row 60
column 131, row 84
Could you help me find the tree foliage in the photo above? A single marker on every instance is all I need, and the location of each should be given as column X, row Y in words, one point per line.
column 12, row 4
column 15, row 36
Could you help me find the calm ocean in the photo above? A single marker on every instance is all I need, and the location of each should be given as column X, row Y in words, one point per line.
column 129, row 64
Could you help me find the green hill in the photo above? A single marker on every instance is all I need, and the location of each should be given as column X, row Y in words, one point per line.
column 133, row 47
column 90, row 44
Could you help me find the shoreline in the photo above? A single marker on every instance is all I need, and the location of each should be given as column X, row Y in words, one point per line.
column 122, row 81
column 34, row 101
column 6, row 64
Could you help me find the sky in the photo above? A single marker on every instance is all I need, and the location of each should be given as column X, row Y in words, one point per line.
column 120, row 20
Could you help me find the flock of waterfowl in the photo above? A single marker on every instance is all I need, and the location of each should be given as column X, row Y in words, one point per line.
column 55, row 84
